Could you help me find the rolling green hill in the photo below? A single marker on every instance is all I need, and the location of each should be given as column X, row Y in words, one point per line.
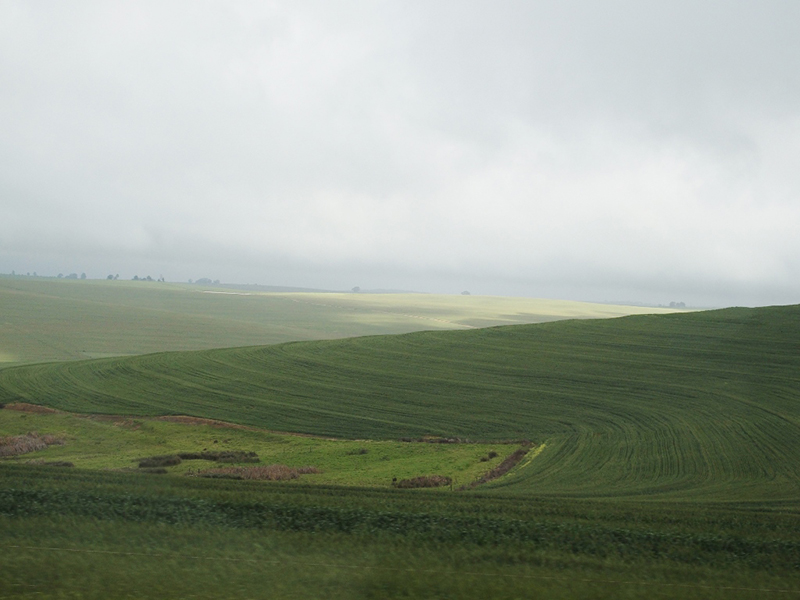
column 695, row 406
column 58, row 319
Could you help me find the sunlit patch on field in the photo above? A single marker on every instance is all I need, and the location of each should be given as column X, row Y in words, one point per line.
column 7, row 357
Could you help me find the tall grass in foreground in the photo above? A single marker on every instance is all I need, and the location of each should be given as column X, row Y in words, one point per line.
column 102, row 535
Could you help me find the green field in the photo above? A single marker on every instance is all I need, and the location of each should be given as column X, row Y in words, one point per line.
column 56, row 319
column 666, row 465
column 83, row 534
column 700, row 406
column 119, row 443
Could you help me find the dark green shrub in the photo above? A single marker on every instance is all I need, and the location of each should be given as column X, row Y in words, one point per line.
column 169, row 460
column 228, row 456
column 424, row 481
column 357, row 452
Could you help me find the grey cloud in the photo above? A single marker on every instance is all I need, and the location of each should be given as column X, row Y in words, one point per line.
column 580, row 148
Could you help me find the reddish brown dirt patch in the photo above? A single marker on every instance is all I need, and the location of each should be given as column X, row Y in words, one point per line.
column 30, row 408
column 504, row 467
column 187, row 420
column 15, row 445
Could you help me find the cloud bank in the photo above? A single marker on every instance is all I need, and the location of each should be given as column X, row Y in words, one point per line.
column 617, row 150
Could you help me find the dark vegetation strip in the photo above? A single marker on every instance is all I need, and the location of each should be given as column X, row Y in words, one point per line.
column 423, row 481
column 579, row 539
column 260, row 473
column 225, row 456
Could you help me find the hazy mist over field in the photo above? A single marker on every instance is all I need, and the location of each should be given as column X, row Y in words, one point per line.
column 607, row 151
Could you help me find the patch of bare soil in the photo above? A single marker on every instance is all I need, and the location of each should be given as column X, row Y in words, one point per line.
column 30, row 408
column 504, row 467
column 187, row 420
column 14, row 445
column 116, row 420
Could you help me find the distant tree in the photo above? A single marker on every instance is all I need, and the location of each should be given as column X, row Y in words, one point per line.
column 148, row 278
column 204, row 281
column 72, row 276
column 216, row 282
column 116, row 276
column 83, row 275
column 356, row 289
column 465, row 293
column 136, row 278
column 34, row 274
column 60, row 275
column 110, row 277
column 190, row 281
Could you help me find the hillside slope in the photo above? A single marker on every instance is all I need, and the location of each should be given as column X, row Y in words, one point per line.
column 684, row 406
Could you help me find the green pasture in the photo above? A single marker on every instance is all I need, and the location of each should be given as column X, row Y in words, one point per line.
column 687, row 407
column 71, row 533
column 45, row 319
column 119, row 443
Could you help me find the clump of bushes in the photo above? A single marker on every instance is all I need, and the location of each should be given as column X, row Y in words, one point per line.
column 32, row 441
column 437, row 440
column 489, row 456
column 225, row 456
column 50, row 463
column 155, row 462
column 156, row 471
column 424, row 481
column 357, row 451
column 262, row 473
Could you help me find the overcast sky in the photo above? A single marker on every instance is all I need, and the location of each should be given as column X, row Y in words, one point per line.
column 608, row 150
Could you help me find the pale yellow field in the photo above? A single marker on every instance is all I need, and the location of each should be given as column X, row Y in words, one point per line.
column 53, row 320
